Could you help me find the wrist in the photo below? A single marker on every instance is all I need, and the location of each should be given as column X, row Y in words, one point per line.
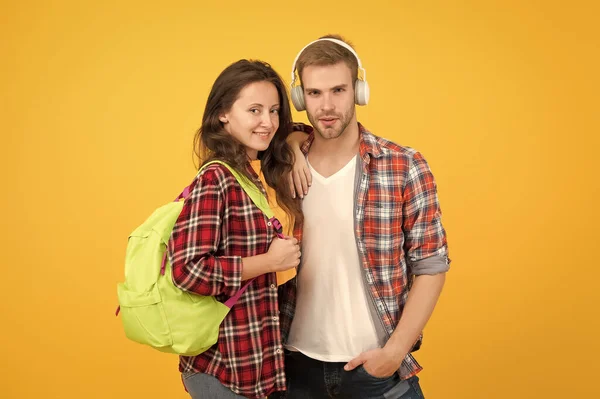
column 296, row 148
column 268, row 262
column 395, row 351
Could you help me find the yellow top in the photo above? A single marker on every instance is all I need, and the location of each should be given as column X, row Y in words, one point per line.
column 287, row 220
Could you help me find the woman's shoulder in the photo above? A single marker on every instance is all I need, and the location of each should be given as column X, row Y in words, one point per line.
column 218, row 175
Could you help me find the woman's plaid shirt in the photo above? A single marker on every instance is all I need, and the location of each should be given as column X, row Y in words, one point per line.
column 218, row 226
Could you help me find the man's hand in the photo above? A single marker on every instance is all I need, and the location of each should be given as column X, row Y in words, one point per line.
column 380, row 362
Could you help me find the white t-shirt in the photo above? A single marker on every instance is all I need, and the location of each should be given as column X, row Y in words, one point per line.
column 332, row 322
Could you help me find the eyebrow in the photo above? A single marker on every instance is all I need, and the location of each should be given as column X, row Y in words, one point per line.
column 261, row 105
column 341, row 86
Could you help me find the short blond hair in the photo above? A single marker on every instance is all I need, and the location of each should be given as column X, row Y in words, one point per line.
column 326, row 52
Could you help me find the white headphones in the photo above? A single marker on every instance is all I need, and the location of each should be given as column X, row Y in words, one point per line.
column 361, row 87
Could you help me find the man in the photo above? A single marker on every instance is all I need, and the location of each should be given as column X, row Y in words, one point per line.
column 374, row 253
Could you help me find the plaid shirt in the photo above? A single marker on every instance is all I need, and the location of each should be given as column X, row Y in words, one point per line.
column 398, row 228
column 218, row 226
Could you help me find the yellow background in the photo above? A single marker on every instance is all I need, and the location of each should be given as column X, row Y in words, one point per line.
column 99, row 103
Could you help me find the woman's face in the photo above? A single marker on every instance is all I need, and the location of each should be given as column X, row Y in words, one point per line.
column 254, row 117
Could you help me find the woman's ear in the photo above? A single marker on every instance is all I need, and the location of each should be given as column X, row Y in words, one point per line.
column 223, row 119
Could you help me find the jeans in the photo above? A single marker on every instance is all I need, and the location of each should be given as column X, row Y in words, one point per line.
column 312, row 379
column 204, row 386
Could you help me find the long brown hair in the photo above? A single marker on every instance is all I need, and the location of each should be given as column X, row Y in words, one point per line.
column 212, row 142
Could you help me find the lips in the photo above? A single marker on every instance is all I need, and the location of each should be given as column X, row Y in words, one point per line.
column 263, row 135
column 328, row 121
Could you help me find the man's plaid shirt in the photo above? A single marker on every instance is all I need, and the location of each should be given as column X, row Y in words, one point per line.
column 398, row 228
column 218, row 226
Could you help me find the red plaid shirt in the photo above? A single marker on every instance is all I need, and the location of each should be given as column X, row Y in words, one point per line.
column 398, row 229
column 218, row 226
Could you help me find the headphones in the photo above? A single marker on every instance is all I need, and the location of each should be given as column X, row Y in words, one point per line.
column 361, row 87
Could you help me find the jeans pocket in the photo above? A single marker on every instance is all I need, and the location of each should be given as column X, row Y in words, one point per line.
column 362, row 384
column 361, row 369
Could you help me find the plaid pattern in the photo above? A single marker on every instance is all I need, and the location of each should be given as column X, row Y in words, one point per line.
column 218, row 226
column 397, row 225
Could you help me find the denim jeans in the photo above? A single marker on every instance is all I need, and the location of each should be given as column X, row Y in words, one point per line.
column 312, row 379
column 204, row 386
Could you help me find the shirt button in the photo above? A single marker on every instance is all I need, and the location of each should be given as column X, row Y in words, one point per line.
column 269, row 224
column 278, row 351
column 275, row 318
column 273, row 286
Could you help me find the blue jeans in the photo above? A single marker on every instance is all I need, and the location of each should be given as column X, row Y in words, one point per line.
column 312, row 379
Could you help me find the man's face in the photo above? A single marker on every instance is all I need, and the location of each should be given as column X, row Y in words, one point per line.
column 329, row 98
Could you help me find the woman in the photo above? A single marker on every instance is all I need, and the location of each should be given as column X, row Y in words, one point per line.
column 221, row 239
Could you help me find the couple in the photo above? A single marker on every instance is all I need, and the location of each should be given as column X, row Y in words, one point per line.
column 367, row 240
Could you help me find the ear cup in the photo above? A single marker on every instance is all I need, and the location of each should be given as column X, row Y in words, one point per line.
column 297, row 95
column 361, row 92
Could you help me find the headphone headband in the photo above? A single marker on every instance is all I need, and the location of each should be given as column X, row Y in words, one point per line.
column 336, row 41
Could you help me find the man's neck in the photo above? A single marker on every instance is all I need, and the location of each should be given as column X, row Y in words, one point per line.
column 327, row 156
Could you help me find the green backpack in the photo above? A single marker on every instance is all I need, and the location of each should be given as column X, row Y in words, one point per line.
column 153, row 310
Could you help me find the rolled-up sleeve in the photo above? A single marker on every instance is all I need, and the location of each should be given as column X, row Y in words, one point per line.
column 425, row 243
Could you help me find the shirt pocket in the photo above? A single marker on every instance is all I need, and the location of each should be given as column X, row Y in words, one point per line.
column 382, row 224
